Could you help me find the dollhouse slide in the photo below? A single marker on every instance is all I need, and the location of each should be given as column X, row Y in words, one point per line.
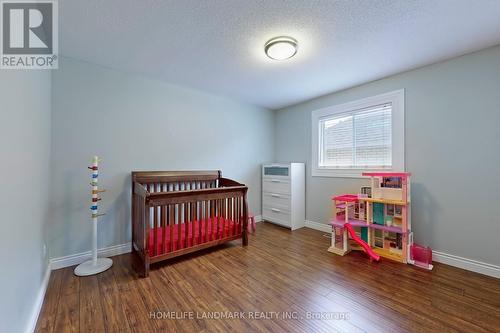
column 361, row 242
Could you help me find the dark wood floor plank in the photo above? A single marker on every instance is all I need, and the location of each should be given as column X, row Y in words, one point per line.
column 280, row 272
column 153, row 301
column 68, row 308
column 136, row 313
column 91, row 312
column 49, row 309
column 167, row 288
column 112, row 309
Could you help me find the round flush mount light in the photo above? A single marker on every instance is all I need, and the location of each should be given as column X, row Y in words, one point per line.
column 281, row 48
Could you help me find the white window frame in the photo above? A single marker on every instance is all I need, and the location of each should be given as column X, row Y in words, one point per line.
column 397, row 99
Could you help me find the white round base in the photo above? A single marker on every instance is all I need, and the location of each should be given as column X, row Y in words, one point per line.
column 90, row 268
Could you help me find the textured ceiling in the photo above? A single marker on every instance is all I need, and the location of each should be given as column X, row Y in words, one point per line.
column 217, row 45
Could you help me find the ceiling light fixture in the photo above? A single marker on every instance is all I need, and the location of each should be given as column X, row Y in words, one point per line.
column 281, row 48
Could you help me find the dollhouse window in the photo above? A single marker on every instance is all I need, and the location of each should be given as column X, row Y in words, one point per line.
column 365, row 135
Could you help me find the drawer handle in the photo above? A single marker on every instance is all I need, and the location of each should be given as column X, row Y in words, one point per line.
column 276, row 210
column 275, row 195
column 275, row 180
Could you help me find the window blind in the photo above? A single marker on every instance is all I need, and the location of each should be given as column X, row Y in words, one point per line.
column 360, row 139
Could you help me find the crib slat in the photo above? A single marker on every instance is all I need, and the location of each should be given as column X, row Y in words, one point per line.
column 224, row 201
column 237, row 214
column 242, row 214
column 193, row 228
column 211, row 204
column 179, row 224
column 231, row 217
column 219, row 214
column 186, row 225
column 241, row 217
column 234, row 215
column 155, row 233
column 224, row 217
column 237, row 227
column 164, row 221
column 212, row 214
column 193, row 222
column 214, row 220
column 158, row 222
column 199, row 218
column 196, row 218
column 171, row 221
column 235, row 205
column 207, row 219
column 205, row 205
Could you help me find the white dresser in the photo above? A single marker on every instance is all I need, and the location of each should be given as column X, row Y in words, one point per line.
column 283, row 194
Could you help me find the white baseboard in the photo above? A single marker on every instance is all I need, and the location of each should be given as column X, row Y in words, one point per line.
column 76, row 259
column 467, row 264
column 37, row 307
column 258, row 218
column 438, row 256
column 318, row 226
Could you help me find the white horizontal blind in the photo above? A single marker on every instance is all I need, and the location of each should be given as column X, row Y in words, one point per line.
column 360, row 139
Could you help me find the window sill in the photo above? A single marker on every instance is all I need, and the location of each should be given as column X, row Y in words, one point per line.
column 344, row 173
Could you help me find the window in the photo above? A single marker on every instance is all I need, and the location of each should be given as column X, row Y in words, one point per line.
column 357, row 140
column 365, row 135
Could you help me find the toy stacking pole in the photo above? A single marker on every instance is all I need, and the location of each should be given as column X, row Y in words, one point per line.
column 95, row 265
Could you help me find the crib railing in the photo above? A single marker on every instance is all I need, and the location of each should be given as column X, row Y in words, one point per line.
column 177, row 213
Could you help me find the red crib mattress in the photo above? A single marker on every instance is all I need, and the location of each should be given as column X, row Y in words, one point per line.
column 229, row 226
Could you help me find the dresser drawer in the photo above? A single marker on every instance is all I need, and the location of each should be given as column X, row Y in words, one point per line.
column 276, row 186
column 277, row 215
column 277, row 200
column 280, row 171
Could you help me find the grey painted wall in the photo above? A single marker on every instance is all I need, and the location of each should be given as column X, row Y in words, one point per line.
column 452, row 149
column 25, row 151
column 135, row 123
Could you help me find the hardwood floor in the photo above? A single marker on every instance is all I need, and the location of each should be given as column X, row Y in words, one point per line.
column 289, row 273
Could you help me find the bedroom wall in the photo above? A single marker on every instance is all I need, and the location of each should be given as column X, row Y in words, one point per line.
column 135, row 123
column 452, row 140
column 25, row 150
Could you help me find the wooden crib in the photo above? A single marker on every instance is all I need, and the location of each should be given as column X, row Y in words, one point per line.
column 179, row 212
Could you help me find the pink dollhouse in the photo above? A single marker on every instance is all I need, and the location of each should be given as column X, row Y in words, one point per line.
column 378, row 220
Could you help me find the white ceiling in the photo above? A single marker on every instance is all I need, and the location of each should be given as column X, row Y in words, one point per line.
column 217, row 45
